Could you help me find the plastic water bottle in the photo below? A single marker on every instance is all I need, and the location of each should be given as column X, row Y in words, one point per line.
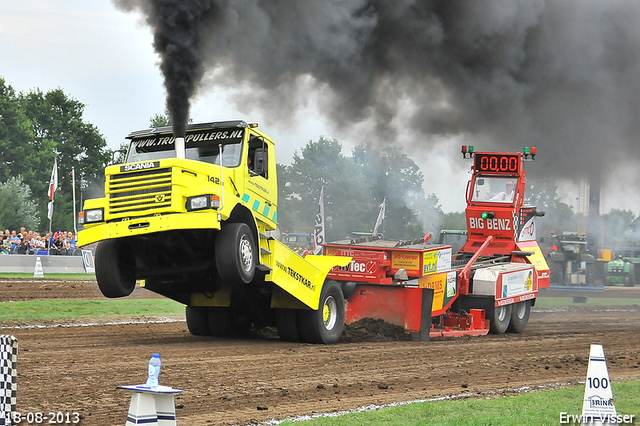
column 154, row 371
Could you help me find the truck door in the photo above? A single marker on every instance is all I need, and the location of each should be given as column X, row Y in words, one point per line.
column 261, row 190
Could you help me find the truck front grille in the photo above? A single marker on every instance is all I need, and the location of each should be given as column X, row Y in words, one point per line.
column 143, row 191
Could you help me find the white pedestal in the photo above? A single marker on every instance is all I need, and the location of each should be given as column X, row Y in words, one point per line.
column 151, row 407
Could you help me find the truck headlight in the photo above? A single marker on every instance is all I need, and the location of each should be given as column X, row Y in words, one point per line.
column 94, row 215
column 201, row 202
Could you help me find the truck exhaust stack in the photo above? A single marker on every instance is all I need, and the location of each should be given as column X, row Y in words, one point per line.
column 180, row 149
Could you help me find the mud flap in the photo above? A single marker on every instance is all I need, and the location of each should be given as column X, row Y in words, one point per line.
column 425, row 318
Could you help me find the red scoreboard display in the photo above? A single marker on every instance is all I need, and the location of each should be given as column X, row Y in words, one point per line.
column 497, row 163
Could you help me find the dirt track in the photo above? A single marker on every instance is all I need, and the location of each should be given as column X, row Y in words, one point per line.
column 77, row 368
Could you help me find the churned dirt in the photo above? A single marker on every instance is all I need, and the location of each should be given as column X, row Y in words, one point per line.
column 75, row 367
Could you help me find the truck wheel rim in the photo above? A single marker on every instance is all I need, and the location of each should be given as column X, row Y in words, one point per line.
column 521, row 309
column 246, row 255
column 502, row 313
column 330, row 313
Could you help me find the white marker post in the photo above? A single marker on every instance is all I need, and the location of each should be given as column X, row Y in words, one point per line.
column 598, row 408
column 38, row 272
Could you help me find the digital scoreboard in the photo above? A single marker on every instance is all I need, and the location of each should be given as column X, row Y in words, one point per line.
column 507, row 163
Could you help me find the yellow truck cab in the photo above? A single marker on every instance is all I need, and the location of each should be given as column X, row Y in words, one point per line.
column 191, row 217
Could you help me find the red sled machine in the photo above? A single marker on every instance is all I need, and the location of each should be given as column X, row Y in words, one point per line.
column 490, row 284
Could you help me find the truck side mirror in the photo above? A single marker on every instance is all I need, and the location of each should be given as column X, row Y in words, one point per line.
column 117, row 155
column 260, row 161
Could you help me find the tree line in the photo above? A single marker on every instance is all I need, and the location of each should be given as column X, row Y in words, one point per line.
column 36, row 127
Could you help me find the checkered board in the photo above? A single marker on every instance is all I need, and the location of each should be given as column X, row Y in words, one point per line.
column 8, row 378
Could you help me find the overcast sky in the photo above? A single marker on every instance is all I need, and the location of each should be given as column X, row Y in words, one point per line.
column 104, row 58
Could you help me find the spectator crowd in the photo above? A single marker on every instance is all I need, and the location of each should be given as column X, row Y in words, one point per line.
column 30, row 242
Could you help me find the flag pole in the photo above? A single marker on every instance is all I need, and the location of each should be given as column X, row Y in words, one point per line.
column 73, row 183
column 53, row 184
column 380, row 219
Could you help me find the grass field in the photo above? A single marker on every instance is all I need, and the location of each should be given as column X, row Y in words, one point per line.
column 532, row 408
column 64, row 309
column 29, row 276
column 560, row 302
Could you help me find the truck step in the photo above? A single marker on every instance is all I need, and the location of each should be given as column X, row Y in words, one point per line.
column 263, row 236
column 264, row 268
column 264, row 251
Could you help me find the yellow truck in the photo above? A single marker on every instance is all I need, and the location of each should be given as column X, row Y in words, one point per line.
column 191, row 218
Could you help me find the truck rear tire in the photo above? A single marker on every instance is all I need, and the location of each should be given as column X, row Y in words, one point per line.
column 500, row 319
column 326, row 324
column 115, row 268
column 228, row 322
column 519, row 316
column 287, row 325
column 197, row 321
column 236, row 253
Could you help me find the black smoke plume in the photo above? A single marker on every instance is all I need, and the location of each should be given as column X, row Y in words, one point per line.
column 179, row 29
column 561, row 75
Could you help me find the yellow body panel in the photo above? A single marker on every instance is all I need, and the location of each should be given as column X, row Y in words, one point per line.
column 220, row 298
column 537, row 258
column 301, row 278
column 148, row 225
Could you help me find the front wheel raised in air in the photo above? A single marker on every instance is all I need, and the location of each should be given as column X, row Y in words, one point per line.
column 324, row 325
column 115, row 268
column 519, row 316
column 499, row 321
column 235, row 253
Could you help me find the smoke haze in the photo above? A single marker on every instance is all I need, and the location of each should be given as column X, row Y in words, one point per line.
column 559, row 75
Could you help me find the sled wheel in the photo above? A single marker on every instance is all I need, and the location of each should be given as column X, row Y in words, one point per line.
column 519, row 316
column 197, row 321
column 287, row 325
column 325, row 324
column 228, row 322
column 500, row 319
column 115, row 268
column 235, row 253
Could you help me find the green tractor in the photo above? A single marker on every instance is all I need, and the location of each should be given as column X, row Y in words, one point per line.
column 456, row 238
column 570, row 263
column 622, row 269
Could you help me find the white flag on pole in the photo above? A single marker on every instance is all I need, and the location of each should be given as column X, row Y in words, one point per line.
column 53, row 182
column 53, row 185
column 318, row 228
column 381, row 214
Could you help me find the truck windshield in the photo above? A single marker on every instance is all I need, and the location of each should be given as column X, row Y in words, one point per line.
column 494, row 189
column 155, row 147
